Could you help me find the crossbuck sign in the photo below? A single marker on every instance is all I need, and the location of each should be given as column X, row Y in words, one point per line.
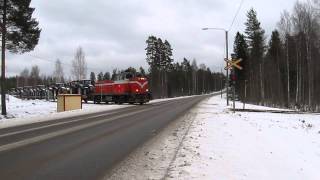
column 233, row 63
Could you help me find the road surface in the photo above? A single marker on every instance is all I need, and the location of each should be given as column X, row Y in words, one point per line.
column 83, row 147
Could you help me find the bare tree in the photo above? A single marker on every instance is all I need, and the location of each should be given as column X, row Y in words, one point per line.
column 35, row 75
column 79, row 65
column 24, row 77
column 58, row 72
column 285, row 26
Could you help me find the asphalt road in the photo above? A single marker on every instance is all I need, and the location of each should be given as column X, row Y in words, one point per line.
column 83, row 147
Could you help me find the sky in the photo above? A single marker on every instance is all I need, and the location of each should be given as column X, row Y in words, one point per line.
column 112, row 33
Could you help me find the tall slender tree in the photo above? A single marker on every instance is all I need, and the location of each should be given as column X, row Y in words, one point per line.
column 79, row 65
column 20, row 33
column 256, row 45
column 241, row 51
column 58, row 74
column 93, row 77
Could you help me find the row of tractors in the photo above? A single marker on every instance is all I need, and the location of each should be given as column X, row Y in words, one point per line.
column 51, row 92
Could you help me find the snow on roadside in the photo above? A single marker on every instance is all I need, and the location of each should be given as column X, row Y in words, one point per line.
column 248, row 145
column 29, row 111
column 22, row 111
column 211, row 142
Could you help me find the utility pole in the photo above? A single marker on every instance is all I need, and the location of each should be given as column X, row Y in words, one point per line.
column 227, row 57
column 221, row 83
column 3, row 56
column 234, row 89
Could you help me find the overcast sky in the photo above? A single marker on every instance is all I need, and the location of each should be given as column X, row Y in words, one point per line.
column 113, row 32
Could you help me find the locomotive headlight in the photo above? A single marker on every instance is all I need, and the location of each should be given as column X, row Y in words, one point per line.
column 147, row 90
column 137, row 90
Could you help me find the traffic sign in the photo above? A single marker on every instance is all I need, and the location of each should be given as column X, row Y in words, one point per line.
column 233, row 63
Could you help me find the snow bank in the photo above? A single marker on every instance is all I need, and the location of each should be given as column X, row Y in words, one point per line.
column 212, row 142
column 248, row 145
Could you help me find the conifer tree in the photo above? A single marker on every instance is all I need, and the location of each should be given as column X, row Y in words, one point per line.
column 20, row 33
column 106, row 76
column 100, row 76
column 93, row 77
column 241, row 51
column 256, row 46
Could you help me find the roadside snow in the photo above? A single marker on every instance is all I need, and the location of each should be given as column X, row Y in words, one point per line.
column 22, row 112
column 247, row 145
column 211, row 142
column 29, row 111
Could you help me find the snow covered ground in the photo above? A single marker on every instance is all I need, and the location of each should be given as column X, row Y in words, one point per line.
column 28, row 111
column 211, row 142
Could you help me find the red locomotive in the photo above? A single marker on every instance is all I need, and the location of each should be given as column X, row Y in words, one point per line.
column 127, row 88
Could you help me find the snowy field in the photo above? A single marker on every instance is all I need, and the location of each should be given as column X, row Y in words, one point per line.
column 211, row 142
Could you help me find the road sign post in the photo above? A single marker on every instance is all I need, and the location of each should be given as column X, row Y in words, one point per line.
column 232, row 64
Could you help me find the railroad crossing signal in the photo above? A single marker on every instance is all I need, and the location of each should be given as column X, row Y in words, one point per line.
column 233, row 63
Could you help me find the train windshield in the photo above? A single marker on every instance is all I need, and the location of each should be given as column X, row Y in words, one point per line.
column 125, row 76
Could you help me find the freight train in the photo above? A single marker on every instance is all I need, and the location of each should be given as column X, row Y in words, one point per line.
column 126, row 88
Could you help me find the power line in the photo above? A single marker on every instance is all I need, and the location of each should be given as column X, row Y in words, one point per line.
column 234, row 18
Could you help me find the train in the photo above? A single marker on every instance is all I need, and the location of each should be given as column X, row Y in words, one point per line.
column 127, row 87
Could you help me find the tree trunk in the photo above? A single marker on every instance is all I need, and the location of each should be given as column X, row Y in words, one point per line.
column 3, row 56
column 261, row 84
column 288, row 76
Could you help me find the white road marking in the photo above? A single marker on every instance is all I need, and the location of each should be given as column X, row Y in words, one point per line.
column 62, row 132
column 56, row 124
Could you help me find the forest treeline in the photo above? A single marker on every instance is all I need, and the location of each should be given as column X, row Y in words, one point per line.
column 284, row 71
column 166, row 77
column 170, row 79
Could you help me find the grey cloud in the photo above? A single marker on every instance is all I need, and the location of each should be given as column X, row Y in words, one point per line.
column 113, row 33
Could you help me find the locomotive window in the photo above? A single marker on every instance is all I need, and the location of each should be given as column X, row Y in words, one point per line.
column 129, row 75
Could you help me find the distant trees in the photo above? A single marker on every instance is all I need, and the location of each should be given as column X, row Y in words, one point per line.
column 169, row 79
column 79, row 65
column 288, row 65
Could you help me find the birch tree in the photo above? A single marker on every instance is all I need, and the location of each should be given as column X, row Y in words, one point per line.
column 79, row 65
column 58, row 74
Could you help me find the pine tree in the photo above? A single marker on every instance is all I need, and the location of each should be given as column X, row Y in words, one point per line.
column 256, row 45
column 274, row 56
column 152, row 52
column 20, row 33
column 100, row 76
column 142, row 71
column 241, row 51
column 93, row 77
column 106, row 76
